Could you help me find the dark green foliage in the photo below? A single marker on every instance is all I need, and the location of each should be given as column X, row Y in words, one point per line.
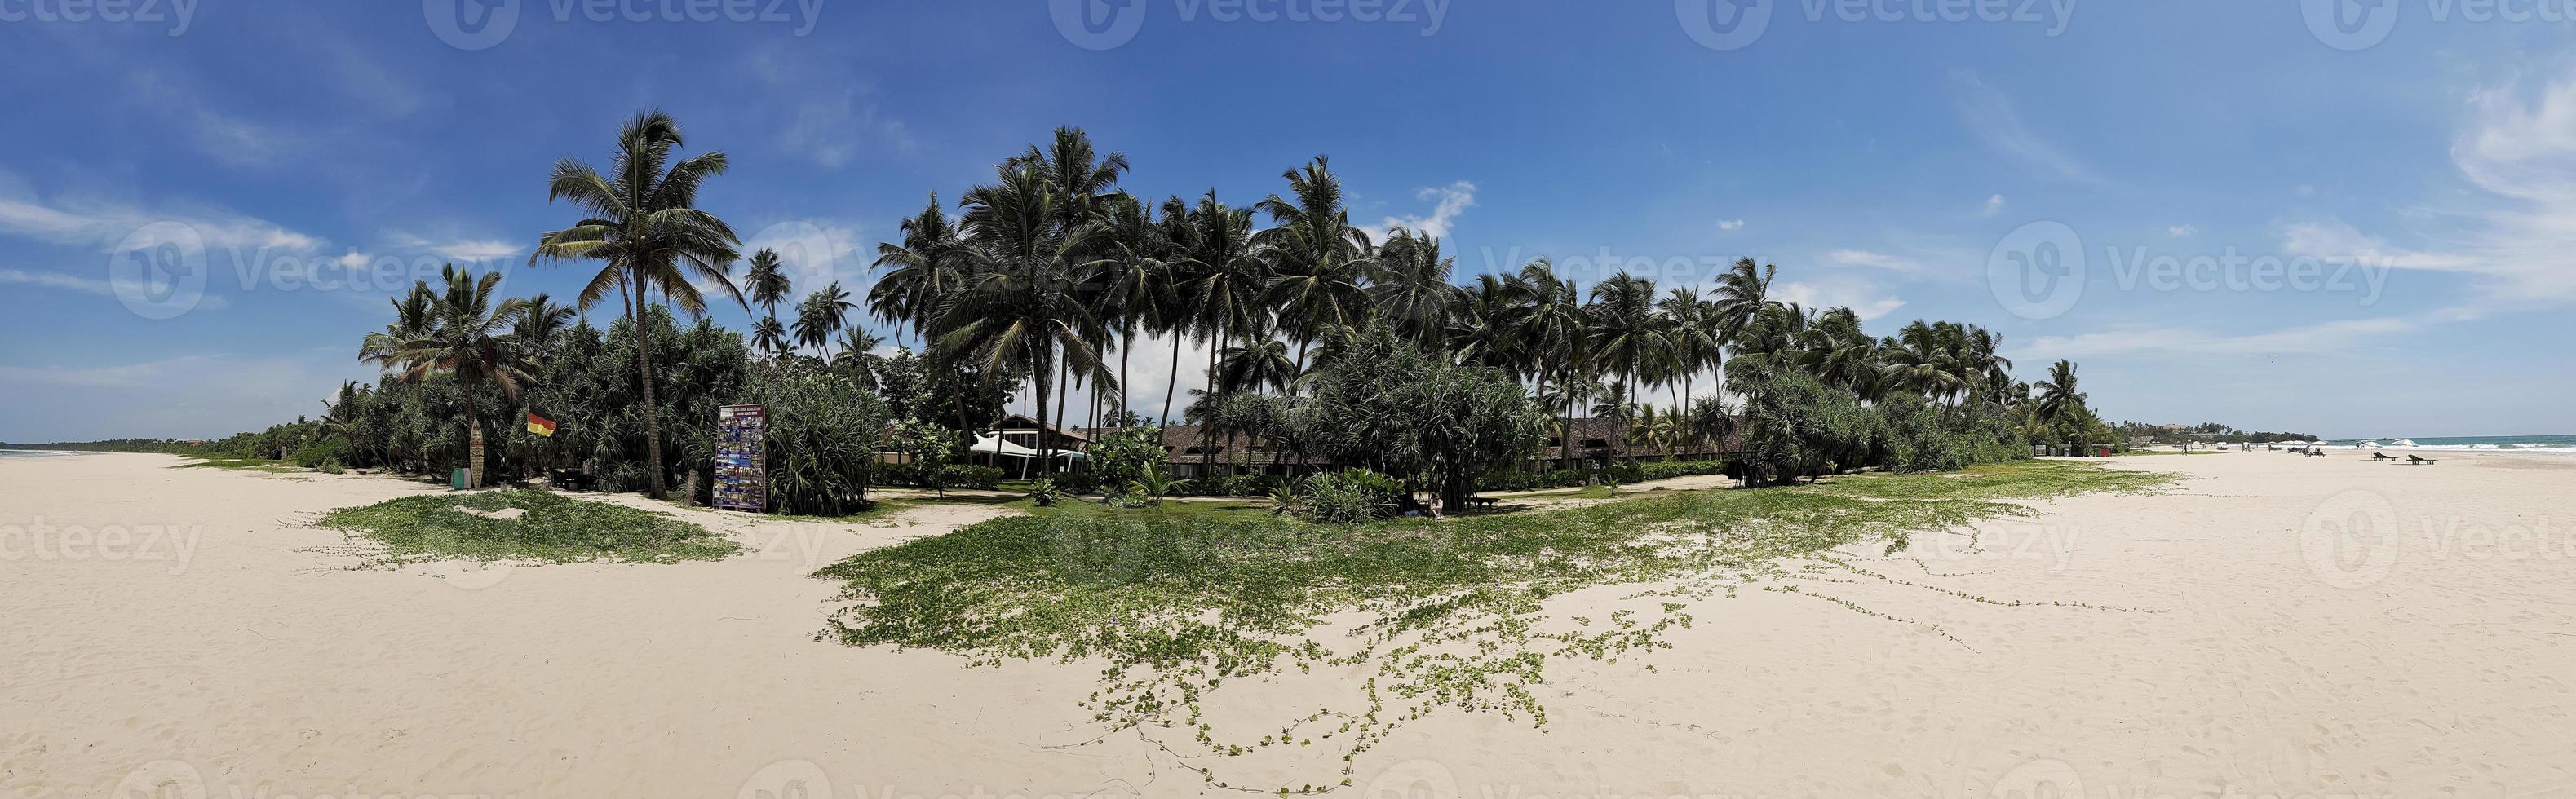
column 1383, row 404
column 824, row 436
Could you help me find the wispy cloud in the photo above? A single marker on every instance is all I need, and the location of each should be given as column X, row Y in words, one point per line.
column 462, row 249
column 1730, row 224
column 104, row 225
column 1875, row 261
column 1994, row 205
column 2325, row 337
column 93, row 286
column 1989, row 115
column 2182, row 231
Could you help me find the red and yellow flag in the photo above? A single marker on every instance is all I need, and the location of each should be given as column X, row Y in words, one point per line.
column 541, row 425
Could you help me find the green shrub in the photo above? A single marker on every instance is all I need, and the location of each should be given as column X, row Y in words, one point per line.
column 1045, row 494
column 1351, row 497
column 312, row 454
column 959, row 475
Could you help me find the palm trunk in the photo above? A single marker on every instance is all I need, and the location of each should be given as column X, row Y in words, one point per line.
column 1172, row 385
column 1207, row 427
column 1064, row 391
column 1126, row 404
column 1566, row 388
column 1046, row 469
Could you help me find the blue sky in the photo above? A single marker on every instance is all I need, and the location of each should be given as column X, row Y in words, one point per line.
column 1882, row 156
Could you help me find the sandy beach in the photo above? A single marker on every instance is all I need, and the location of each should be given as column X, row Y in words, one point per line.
column 185, row 629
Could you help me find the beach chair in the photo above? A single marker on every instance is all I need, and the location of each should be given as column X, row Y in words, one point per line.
column 2382, row 456
column 2413, row 460
column 2317, row 452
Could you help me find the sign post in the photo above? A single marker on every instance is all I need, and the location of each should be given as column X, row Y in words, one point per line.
column 742, row 480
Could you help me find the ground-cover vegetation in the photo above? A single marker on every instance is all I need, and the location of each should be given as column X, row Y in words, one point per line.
column 520, row 525
column 1452, row 612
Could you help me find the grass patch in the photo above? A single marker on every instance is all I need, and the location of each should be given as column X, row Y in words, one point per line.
column 238, row 464
column 1180, row 601
column 550, row 528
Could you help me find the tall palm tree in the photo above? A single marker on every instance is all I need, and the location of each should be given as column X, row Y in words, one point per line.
column 1627, row 337
column 1028, row 306
column 925, row 267
column 2058, row 399
column 767, row 284
column 767, row 335
column 822, row 315
column 1227, row 277
column 1691, row 326
column 1551, row 330
column 1135, row 281
column 1411, row 290
column 645, row 229
column 467, row 338
column 1318, row 260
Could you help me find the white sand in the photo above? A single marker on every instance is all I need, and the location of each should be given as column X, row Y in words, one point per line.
column 241, row 656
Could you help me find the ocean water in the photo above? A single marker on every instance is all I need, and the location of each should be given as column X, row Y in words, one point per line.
column 2563, row 444
column 28, row 453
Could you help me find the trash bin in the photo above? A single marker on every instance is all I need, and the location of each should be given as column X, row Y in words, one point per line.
column 456, row 480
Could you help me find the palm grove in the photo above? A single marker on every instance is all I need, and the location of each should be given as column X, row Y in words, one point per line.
column 1353, row 356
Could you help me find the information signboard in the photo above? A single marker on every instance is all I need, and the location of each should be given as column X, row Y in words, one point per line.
column 742, row 480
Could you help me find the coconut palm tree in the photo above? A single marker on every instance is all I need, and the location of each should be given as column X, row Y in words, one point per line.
column 1318, row 260
column 767, row 284
column 1551, row 330
column 1626, row 337
column 1135, row 281
column 1410, row 289
column 1028, row 306
column 467, row 337
column 2058, row 399
column 645, row 229
column 921, row 270
column 1691, row 326
column 823, row 315
column 1226, row 276
column 767, row 335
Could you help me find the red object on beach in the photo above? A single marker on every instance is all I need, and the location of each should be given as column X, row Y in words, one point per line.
column 540, row 425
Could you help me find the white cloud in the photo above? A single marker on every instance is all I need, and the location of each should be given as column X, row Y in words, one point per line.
column 1730, row 224
column 462, row 249
column 2182, row 231
column 1450, row 201
column 105, row 225
column 1868, row 300
column 1989, row 115
column 93, row 286
column 2325, row 337
column 1875, row 261
column 1994, row 205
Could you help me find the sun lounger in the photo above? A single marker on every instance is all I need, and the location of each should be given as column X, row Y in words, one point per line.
column 2414, row 460
column 2382, row 456
column 2316, row 453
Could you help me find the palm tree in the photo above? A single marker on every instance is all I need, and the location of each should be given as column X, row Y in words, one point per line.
column 465, row 338
column 1691, row 327
column 1625, row 335
column 2058, row 399
column 859, row 355
column 645, row 228
column 822, row 315
column 1226, row 278
column 1255, row 365
column 1135, row 281
column 923, row 269
column 1318, row 259
column 1411, row 290
column 1551, row 330
column 767, row 335
column 1028, row 307
column 767, row 283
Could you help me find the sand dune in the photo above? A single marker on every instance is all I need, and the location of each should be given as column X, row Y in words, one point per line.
column 2237, row 635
